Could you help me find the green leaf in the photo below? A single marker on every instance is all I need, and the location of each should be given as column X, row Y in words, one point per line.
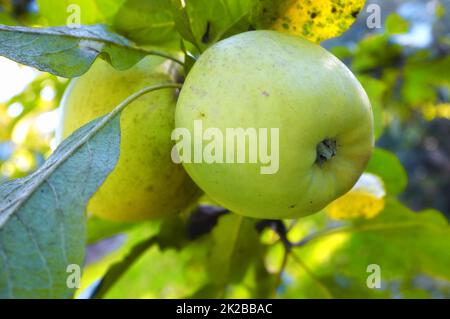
column 180, row 268
column 387, row 166
column 235, row 246
column 165, row 273
column 5, row 18
column 395, row 24
column 147, row 22
column 422, row 80
column 171, row 238
column 204, row 22
column 375, row 52
column 118, row 269
column 208, row 291
column 58, row 12
column 342, row 52
column 67, row 52
column 375, row 89
column 42, row 216
column 131, row 236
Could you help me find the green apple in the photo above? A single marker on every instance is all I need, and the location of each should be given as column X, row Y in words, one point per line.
column 269, row 80
column 145, row 183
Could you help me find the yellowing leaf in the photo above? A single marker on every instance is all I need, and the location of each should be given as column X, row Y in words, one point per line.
column 365, row 200
column 316, row 20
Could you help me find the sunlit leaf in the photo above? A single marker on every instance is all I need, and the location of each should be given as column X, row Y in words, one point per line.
column 62, row 12
column 164, row 273
column 235, row 246
column 147, row 22
column 140, row 270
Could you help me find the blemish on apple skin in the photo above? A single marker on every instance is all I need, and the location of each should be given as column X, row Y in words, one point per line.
column 265, row 93
column 292, row 206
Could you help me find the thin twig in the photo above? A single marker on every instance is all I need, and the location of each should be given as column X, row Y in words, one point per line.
column 161, row 54
column 354, row 229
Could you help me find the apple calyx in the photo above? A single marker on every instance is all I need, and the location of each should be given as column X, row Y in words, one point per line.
column 325, row 150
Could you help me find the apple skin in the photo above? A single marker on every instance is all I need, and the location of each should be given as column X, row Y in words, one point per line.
column 145, row 183
column 266, row 79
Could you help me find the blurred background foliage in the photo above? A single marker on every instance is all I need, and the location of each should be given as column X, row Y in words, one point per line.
column 405, row 68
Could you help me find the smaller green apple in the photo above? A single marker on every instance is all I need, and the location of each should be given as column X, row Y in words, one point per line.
column 145, row 183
